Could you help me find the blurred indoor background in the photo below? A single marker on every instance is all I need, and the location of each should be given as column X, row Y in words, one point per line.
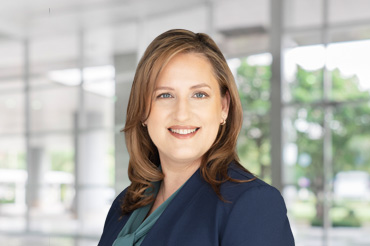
column 66, row 67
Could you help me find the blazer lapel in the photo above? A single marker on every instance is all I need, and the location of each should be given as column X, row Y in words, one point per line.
column 174, row 209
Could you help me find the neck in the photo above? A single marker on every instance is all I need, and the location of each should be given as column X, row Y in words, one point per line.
column 175, row 176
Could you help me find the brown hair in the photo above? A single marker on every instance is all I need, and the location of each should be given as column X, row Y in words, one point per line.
column 144, row 158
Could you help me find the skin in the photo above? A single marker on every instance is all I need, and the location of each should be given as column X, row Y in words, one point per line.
column 187, row 97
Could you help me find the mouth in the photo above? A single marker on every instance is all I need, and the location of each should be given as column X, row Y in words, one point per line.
column 183, row 132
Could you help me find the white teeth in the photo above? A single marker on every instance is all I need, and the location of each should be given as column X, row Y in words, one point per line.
column 183, row 131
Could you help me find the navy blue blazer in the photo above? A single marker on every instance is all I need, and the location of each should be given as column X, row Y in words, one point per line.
column 255, row 214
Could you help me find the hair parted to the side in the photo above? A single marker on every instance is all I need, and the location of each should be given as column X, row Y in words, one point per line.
column 144, row 158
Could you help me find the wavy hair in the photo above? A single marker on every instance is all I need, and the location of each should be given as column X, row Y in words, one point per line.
column 144, row 158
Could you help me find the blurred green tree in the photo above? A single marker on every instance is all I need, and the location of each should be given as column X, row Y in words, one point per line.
column 253, row 143
column 349, row 125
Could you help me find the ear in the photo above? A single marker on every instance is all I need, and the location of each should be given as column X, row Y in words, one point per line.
column 225, row 102
column 144, row 121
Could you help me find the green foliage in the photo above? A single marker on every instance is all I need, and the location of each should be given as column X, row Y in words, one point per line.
column 349, row 220
column 307, row 86
column 311, row 146
column 350, row 134
column 349, row 123
column 254, row 87
column 253, row 144
column 346, row 88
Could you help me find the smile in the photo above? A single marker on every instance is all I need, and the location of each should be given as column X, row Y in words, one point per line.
column 183, row 131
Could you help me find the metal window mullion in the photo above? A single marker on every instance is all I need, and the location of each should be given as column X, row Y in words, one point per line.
column 327, row 138
column 276, row 113
column 27, row 128
column 79, row 123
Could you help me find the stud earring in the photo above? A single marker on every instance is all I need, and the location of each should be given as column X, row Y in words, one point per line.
column 223, row 122
column 143, row 124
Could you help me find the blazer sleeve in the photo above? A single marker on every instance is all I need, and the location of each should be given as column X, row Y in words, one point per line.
column 258, row 217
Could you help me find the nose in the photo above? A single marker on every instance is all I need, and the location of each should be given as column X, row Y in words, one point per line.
column 182, row 110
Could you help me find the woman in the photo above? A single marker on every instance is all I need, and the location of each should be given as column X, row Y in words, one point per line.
column 187, row 186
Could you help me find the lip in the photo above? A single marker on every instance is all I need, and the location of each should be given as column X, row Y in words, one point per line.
column 183, row 136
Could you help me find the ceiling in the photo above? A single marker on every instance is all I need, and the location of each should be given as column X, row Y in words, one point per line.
column 24, row 18
column 60, row 32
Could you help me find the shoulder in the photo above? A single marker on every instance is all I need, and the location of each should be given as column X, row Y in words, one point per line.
column 255, row 212
column 113, row 224
column 116, row 205
column 115, row 210
column 253, row 186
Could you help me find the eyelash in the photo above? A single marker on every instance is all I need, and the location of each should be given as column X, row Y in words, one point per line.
column 203, row 95
column 162, row 95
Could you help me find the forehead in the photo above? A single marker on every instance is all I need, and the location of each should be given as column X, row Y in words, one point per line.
column 185, row 69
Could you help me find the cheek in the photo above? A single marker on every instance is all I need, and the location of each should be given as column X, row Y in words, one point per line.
column 155, row 135
column 155, row 115
column 213, row 111
column 212, row 119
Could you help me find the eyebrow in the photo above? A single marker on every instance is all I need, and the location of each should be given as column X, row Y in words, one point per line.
column 193, row 87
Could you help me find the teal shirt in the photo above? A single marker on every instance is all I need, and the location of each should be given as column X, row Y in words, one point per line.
column 136, row 228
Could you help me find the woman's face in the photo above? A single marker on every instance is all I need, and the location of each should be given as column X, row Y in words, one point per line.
column 187, row 109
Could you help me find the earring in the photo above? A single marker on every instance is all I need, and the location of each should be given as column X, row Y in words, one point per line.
column 223, row 122
column 143, row 124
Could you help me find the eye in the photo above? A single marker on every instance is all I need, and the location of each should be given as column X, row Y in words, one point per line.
column 164, row 95
column 200, row 95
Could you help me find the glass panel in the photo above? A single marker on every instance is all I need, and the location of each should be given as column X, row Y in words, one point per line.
column 51, row 183
column 99, row 88
column 53, row 109
column 95, row 178
column 99, row 43
column 11, row 84
column 253, row 79
column 302, row 73
column 30, row 239
column 13, row 177
column 53, row 53
column 351, row 158
column 350, row 72
column 99, row 109
column 303, row 168
column 56, row 78
column 11, row 63
column 12, row 113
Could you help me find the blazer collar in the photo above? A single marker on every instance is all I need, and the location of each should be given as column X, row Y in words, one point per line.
column 171, row 214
